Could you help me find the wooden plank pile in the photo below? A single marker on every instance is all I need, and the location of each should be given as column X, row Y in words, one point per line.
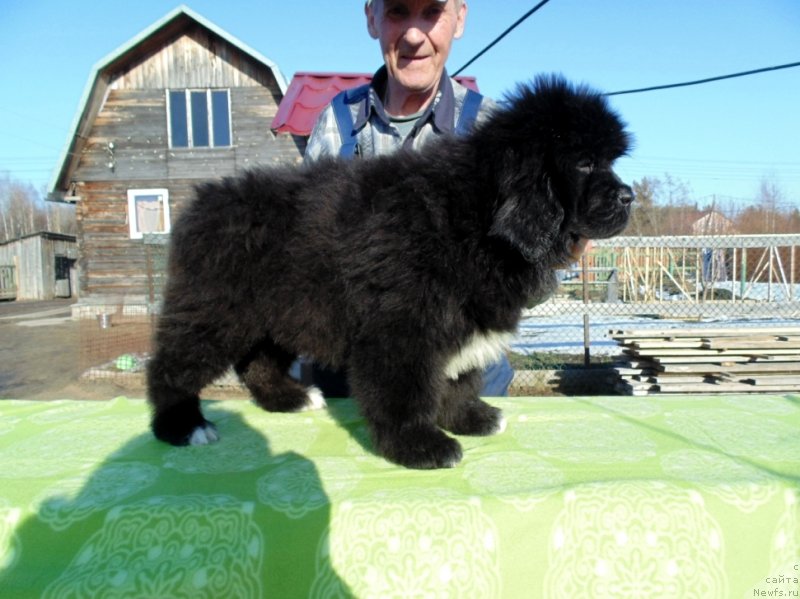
column 711, row 360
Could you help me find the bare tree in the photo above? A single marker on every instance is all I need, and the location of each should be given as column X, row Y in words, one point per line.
column 674, row 191
column 644, row 220
column 662, row 207
column 769, row 199
column 23, row 212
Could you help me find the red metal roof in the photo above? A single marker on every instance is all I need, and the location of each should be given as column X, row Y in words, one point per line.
column 309, row 93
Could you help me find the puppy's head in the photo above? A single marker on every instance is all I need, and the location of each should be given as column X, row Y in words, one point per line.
column 557, row 144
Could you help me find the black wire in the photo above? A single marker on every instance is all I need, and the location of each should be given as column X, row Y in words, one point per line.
column 501, row 36
column 707, row 80
column 627, row 91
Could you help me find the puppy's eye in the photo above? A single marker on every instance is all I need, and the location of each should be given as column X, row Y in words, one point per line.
column 586, row 167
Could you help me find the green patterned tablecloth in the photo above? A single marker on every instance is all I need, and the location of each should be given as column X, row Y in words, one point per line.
column 579, row 498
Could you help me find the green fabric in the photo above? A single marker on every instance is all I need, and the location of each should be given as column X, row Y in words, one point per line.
column 580, row 497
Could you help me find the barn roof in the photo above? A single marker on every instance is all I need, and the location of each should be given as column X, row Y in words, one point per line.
column 309, row 93
column 158, row 33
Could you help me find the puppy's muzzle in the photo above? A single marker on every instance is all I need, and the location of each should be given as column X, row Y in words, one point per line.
column 625, row 195
column 624, row 192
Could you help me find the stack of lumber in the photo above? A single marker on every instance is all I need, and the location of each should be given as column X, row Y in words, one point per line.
column 711, row 360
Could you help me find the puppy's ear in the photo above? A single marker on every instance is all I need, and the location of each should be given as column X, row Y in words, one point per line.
column 530, row 224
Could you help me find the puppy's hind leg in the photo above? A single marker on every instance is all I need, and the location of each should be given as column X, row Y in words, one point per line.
column 462, row 412
column 264, row 371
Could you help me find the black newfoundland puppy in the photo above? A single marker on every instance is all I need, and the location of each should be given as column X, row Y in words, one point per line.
column 409, row 270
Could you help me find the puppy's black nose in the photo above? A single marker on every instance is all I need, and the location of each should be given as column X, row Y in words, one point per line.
column 625, row 195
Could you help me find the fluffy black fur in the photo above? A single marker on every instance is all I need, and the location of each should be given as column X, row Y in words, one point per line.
column 386, row 267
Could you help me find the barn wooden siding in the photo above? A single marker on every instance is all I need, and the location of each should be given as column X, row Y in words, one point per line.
column 34, row 260
column 8, row 282
column 133, row 117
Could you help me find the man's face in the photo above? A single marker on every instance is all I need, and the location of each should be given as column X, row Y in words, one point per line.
column 415, row 38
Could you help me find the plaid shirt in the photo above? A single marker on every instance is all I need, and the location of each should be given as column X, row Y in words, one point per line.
column 377, row 135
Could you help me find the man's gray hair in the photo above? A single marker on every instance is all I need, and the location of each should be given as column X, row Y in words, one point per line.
column 458, row 2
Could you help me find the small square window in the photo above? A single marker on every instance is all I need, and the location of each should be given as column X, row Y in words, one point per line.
column 148, row 211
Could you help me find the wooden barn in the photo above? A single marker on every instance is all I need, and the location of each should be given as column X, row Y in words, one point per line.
column 182, row 102
column 39, row 266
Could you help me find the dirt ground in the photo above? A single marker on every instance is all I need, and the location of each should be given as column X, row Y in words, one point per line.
column 40, row 357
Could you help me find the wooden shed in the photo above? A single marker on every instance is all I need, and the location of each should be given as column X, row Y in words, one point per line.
column 39, row 266
column 180, row 103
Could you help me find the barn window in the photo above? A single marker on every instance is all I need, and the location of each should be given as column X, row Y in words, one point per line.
column 199, row 118
column 148, row 211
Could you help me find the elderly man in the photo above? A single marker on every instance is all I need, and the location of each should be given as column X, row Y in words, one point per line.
column 410, row 100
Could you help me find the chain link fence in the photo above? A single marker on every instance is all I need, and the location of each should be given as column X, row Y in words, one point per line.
column 116, row 336
column 564, row 343
column 653, row 282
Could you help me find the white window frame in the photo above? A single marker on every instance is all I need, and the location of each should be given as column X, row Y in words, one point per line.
column 209, row 111
column 133, row 220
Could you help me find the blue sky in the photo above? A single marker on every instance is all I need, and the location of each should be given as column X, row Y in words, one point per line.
column 722, row 139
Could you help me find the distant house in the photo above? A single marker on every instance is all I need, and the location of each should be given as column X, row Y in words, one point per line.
column 713, row 223
column 39, row 266
column 182, row 102
column 715, row 261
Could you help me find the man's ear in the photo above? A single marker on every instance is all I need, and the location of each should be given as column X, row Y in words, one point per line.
column 462, row 20
column 529, row 224
column 369, row 12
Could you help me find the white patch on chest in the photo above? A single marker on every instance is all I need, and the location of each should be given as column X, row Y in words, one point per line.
column 480, row 350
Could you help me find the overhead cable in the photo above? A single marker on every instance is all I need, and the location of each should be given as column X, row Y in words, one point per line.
column 707, row 80
column 502, row 35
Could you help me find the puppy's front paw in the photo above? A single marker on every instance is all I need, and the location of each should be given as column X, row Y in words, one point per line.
column 419, row 447
column 316, row 400
column 204, row 435
column 183, row 427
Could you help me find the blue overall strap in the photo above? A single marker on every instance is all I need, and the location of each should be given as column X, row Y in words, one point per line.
column 469, row 112
column 344, row 121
